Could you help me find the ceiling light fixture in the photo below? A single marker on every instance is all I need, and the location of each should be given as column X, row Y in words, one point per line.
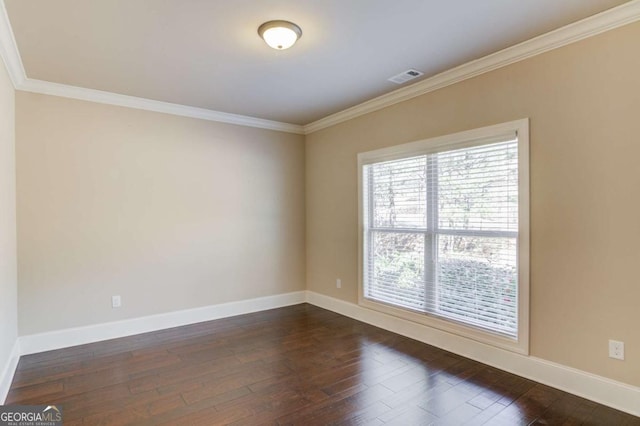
column 280, row 34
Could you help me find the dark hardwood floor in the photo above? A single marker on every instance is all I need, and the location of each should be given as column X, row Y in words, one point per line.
column 295, row 365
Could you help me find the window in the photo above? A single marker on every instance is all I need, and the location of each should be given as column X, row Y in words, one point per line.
column 444, row 232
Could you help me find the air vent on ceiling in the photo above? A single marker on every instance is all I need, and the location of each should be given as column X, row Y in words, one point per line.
column 403, row 77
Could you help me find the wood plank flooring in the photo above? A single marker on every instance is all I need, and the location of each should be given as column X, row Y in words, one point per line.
column 294, row 365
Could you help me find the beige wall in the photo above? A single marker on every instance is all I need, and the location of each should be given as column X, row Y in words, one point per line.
column 8, row 278
column 174, row 213
column 583, row 101
column 169, row 212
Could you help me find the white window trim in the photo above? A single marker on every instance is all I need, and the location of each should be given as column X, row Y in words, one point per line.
column 461, row 140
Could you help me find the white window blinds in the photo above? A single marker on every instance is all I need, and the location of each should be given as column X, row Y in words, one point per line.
column 441, row 234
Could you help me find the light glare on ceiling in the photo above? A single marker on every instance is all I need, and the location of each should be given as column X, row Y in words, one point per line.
column 280, row 35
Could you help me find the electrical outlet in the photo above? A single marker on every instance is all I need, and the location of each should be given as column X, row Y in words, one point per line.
column 616, row 349
column 116, row 302
column 338, row 283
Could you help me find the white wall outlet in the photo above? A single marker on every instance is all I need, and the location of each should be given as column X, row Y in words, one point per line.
column 338, row 283
column 116, row 302
column 616, row 349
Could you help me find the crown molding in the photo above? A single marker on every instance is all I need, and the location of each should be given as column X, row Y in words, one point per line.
column 13, row 62
column 596, row 24
column 9, row 49
column 74, row 92
column 588, row 27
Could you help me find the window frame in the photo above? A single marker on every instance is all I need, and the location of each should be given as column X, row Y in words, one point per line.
column 459, row 140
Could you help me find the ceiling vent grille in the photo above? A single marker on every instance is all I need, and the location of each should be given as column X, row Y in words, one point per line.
column 405, row 76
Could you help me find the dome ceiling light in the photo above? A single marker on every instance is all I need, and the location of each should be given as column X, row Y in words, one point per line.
column 280, row 35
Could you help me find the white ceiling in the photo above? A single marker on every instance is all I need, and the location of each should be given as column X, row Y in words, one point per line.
column 207, row 54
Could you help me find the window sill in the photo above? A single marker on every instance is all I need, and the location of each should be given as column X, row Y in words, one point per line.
column 518, row 346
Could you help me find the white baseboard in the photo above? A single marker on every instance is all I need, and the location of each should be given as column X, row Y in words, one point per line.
column 58, row 339
column 8, row 371
column 604, row 391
